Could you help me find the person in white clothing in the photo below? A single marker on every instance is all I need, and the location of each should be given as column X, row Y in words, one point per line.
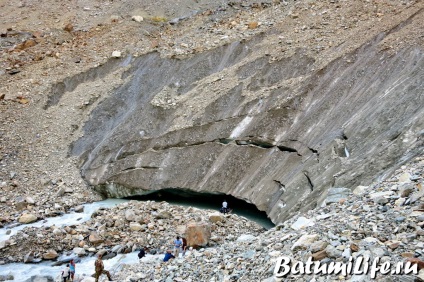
column 66, row 273
column 224, row 207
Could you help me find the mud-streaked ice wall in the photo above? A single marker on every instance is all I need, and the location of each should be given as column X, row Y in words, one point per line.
column 276, row 132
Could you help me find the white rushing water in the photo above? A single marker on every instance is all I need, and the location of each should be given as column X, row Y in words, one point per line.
column 85, row 267
column 21, row 271
column 65, row 219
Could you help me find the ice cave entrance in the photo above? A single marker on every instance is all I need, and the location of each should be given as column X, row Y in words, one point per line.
column 211, row 201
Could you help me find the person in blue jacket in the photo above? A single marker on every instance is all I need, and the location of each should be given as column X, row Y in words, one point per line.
column 168, row 255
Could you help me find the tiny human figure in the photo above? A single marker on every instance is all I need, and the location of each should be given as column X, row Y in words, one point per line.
column 178, row 243
column 100, row 269
column 224, row 207
column 168, row 256
column 72, row 269
column 65, row 273
column 142, row 253
column 184, row 245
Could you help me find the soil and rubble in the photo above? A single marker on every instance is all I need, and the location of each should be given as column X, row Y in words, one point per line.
column 129, row 226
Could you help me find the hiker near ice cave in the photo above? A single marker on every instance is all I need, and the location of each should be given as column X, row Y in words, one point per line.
column 100, row 269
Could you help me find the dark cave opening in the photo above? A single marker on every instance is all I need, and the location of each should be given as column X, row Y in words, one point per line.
column 211, row 201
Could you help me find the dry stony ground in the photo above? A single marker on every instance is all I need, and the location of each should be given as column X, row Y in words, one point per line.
column 43, row 42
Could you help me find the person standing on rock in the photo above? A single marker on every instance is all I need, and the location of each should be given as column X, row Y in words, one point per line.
column 100, row 269
column 224, row 207
column 65, row 273
column 72, row 269
column 178, row 244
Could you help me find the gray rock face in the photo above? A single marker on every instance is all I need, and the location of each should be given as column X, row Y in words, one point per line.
column 276, row 133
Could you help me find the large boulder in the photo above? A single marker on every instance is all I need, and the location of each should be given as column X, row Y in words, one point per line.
column 109, row 255
column 117, row 249
column 164, row 215
column 198, row 233
column 94, row 238
column 304, row 242
column 215, row 217
column 135, row 226
column 302, row 222
column 130, row 215
column 20, row 204
column 79, row 208
column 50, row 254
column 3, row 244
column 27, row 218
column 79, row 251
column 30, row 200
column 246, row 238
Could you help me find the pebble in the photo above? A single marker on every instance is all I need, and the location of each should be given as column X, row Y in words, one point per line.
column 116, row 54
column 138, row 19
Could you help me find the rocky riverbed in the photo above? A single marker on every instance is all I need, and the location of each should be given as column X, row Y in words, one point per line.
column 382, row 220
column 125, row 228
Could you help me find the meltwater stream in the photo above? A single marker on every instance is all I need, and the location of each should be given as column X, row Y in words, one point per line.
column 24, row 272
column 63, row 220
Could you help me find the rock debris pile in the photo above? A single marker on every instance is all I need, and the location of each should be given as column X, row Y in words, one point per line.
column 124, row 229
column 382, row 220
